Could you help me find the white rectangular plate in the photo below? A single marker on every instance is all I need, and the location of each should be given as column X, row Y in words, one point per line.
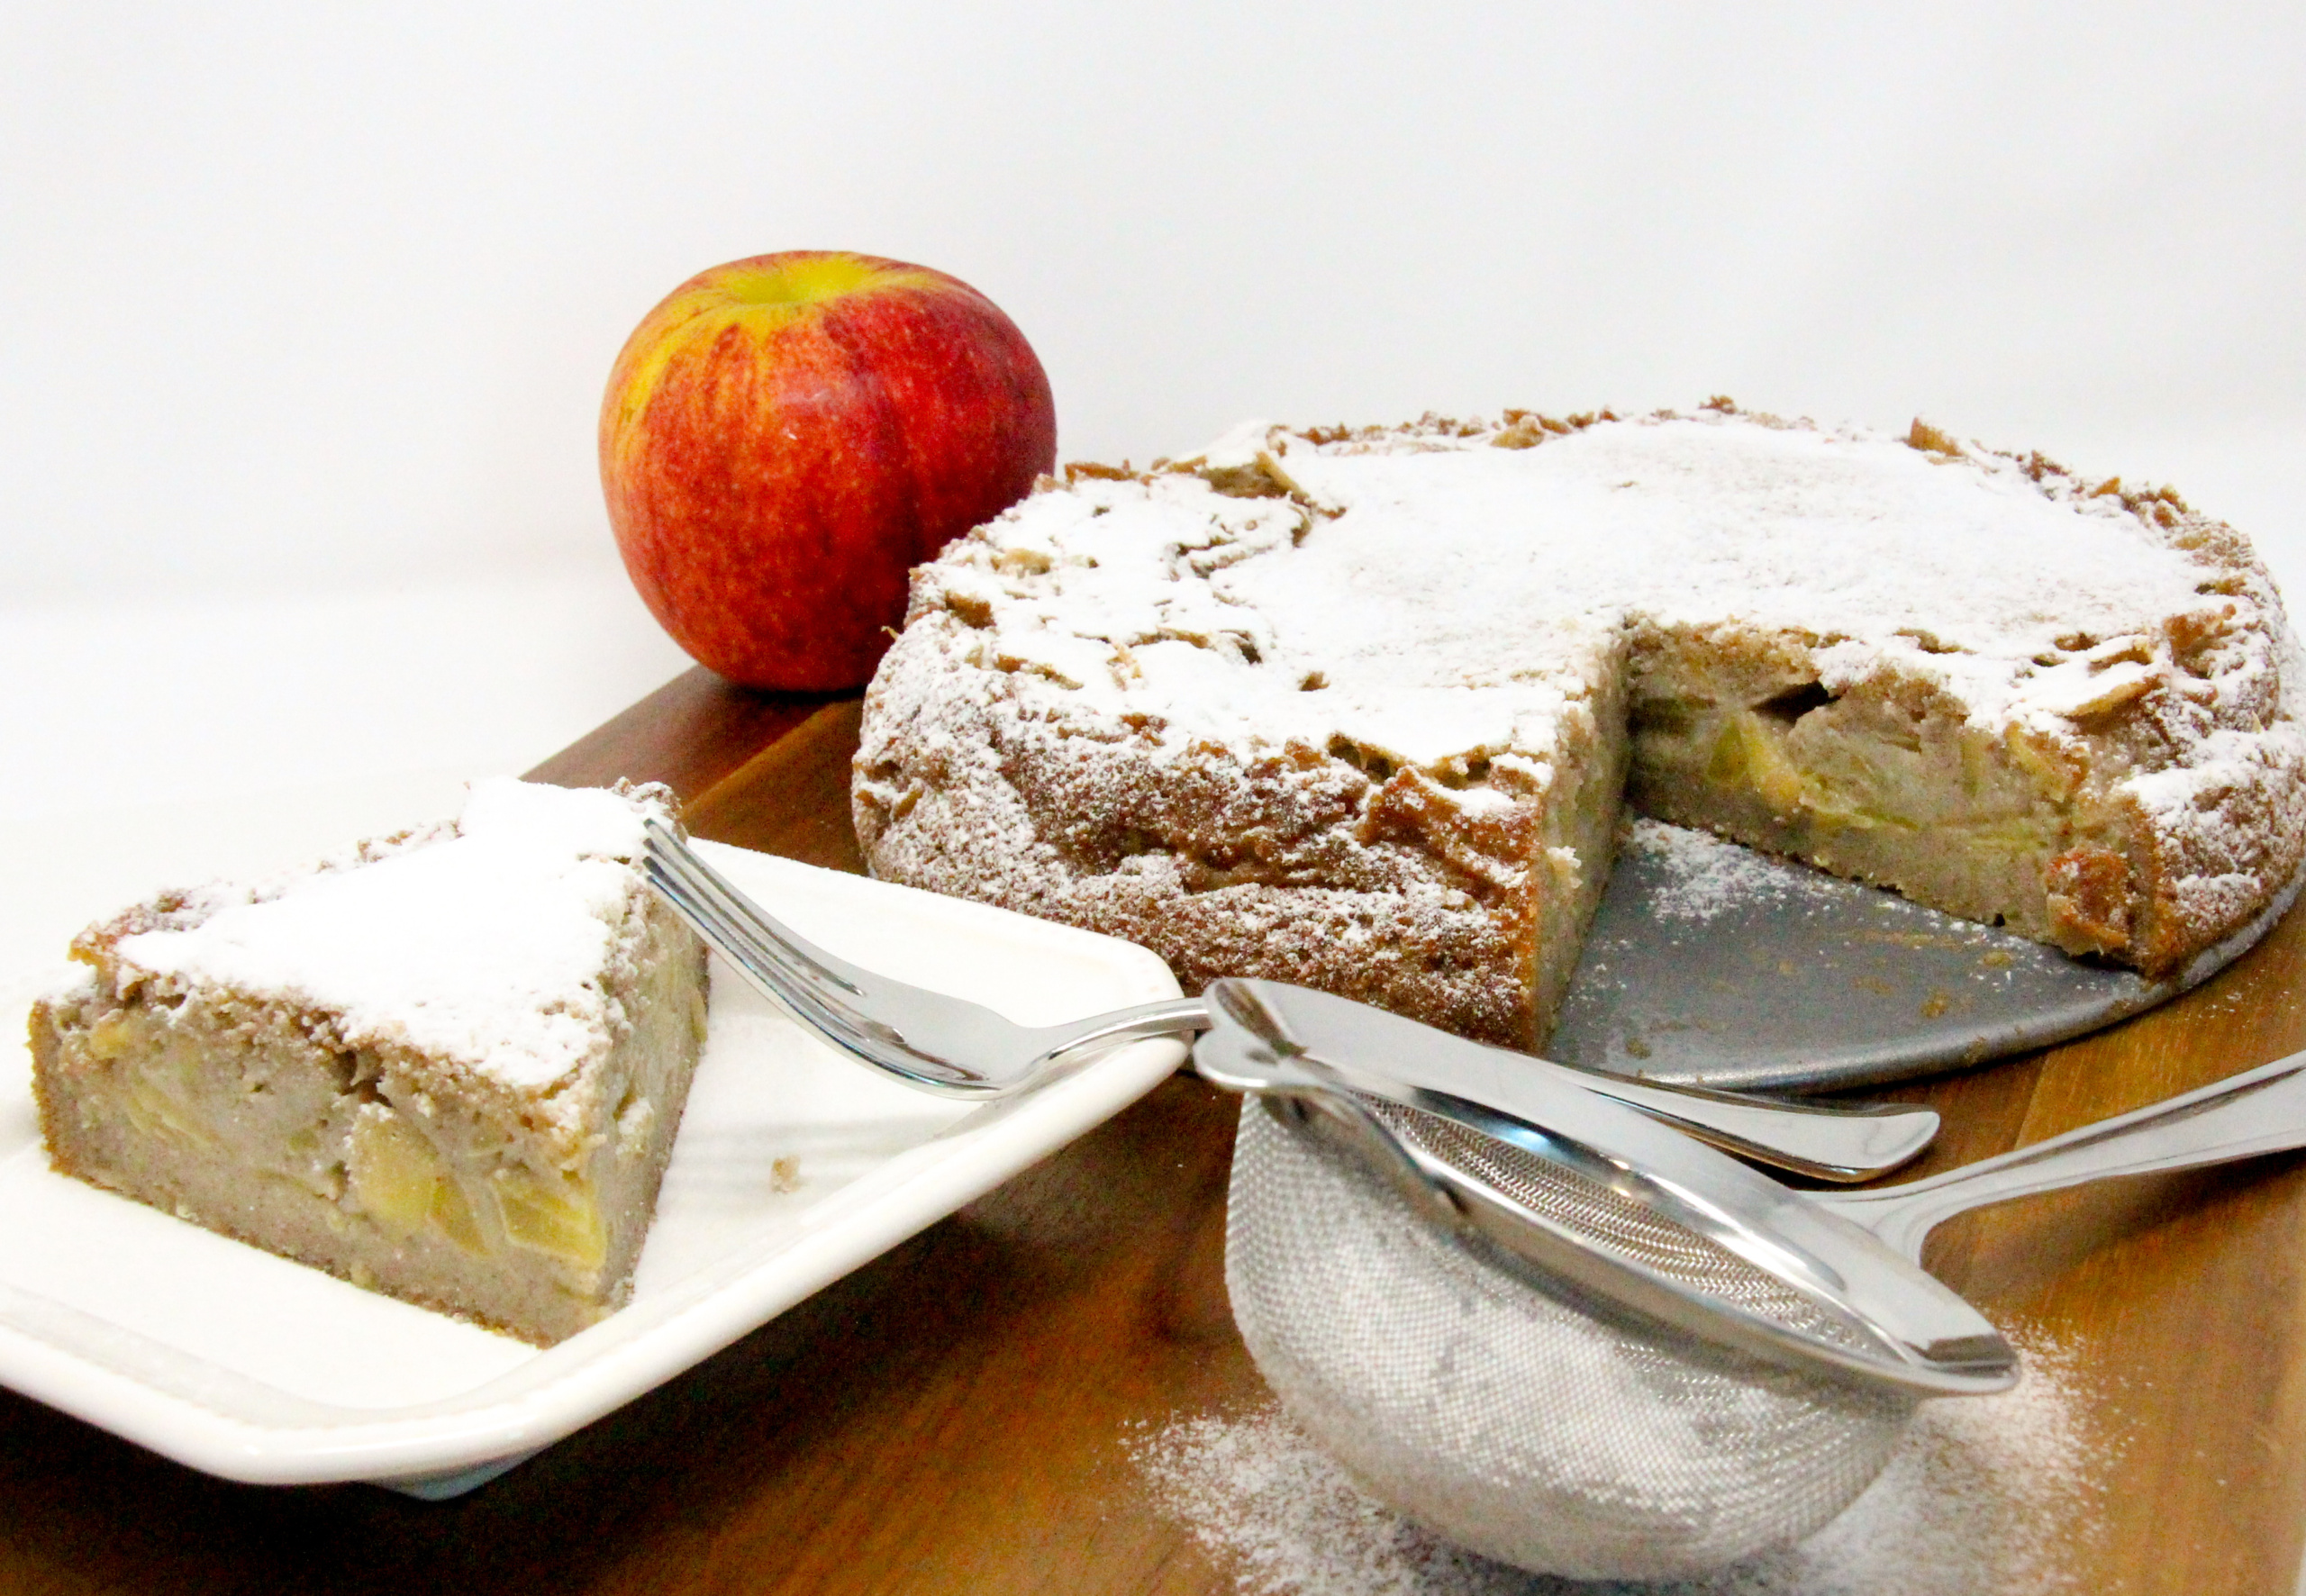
column 246, row 1365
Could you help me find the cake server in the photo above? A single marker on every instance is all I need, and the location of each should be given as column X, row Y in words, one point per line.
column 952, row 1046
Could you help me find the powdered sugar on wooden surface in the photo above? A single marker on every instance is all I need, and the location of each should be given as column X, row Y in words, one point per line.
column 1986, row 1495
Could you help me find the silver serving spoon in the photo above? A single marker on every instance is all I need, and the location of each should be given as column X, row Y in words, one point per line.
column 952, row 1046
column 1591, row 1193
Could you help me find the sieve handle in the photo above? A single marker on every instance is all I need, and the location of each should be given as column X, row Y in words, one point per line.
column 2259, row 1111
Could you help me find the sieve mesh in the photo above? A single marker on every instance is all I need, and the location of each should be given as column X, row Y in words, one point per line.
column 1507, row 1418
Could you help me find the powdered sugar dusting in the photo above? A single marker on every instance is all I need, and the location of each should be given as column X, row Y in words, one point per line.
column 1143, row 599
column 1986, row 1495
column 1437, row 586
column 488, row 943
column 1705, row 876
column 1962, row 569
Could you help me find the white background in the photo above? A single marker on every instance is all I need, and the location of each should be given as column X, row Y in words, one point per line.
column 304, row 312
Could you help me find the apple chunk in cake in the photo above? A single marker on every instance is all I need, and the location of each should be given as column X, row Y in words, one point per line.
column 447, row 1065
column 1353, row 706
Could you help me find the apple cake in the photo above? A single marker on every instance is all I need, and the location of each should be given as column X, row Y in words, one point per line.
column 1359, row 707
column 446, row 1065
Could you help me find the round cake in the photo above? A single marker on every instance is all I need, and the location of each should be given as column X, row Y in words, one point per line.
column 1358, row 707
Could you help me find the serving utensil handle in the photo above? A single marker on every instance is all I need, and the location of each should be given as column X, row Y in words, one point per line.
column 2259, row 1111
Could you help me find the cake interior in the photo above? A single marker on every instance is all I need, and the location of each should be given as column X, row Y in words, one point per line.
column 1888, row 784
column 1576, row 841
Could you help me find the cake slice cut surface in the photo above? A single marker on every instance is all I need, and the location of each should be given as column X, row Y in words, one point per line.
column 446, row 1065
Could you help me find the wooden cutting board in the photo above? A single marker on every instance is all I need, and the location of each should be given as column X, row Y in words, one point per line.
column 955, row 1417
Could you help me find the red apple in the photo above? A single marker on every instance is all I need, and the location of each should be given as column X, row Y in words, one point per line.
column 785, row 437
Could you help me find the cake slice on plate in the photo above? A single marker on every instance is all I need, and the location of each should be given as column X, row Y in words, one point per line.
column 446, row 1065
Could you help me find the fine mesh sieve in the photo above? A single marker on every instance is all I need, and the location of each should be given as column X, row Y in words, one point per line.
column 1592, row 1346
column 1533, row 1425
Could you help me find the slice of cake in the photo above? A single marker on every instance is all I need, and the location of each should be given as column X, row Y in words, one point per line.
column 446, row 1065
column 1355, row 708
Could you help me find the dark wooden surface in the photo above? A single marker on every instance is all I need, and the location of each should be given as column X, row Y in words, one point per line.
column 952, row 1418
